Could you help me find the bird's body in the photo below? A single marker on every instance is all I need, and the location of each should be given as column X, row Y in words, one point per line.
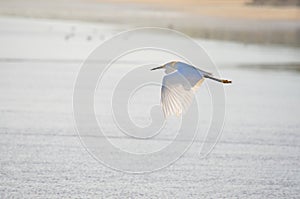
column 179, row 85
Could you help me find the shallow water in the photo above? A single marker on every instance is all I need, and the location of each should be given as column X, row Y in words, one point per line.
column 41, row 154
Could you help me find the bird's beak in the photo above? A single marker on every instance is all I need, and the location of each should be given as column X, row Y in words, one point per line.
column 157, row 68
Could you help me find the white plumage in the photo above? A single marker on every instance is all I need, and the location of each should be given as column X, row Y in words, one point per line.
column 179, row 85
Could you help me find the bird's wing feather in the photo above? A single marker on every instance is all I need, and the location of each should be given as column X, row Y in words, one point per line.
column 185, row 65
column 178, row 91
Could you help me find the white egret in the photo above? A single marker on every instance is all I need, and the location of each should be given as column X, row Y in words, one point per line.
column 179, row 85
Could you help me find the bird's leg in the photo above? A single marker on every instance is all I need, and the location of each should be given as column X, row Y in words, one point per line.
column 224, row 81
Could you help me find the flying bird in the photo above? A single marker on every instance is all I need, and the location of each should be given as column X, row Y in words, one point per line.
column 180, row 84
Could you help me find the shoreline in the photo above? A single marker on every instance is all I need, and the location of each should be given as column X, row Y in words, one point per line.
column 206, row 25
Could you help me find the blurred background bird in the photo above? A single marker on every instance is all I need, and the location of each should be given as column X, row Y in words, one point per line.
column 180, row 84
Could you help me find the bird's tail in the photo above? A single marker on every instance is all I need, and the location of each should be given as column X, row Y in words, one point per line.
column 224, row 81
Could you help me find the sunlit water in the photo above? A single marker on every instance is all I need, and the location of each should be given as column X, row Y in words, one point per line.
column 41, row 155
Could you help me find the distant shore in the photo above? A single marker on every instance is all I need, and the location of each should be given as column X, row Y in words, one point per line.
column 234, row 20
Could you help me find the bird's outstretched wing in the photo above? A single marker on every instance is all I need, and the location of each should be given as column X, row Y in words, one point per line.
column 185, row 66
column 178, row 91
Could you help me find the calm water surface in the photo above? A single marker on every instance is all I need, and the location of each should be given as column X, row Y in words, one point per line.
column 41, row 156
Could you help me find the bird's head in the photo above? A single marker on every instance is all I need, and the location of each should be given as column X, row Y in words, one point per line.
column 170, row 66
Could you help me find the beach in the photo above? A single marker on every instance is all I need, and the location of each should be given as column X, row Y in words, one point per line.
column 235, row 20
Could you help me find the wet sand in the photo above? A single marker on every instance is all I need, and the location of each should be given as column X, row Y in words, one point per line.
column 41, row 155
